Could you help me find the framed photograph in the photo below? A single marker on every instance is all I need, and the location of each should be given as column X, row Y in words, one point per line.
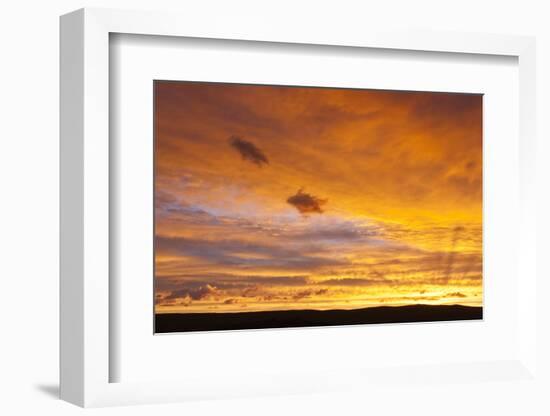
column 276, row 211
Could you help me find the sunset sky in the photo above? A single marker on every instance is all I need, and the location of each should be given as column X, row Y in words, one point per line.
column 275, row 198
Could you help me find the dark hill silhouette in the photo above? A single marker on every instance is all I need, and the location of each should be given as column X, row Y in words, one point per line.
column 186, row 322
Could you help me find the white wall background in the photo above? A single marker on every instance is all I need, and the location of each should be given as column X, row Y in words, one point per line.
column 29, row 189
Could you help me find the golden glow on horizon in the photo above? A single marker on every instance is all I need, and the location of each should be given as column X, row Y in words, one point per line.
column 271, row 198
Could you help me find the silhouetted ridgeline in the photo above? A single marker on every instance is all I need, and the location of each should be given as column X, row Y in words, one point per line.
column 185, row 322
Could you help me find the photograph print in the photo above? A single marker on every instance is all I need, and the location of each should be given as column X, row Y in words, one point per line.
column 290, row 206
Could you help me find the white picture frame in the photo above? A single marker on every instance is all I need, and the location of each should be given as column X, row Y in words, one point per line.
column 85, row 211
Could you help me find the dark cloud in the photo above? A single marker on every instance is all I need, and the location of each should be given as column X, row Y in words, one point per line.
column 307, row 293
column 194, row 293
column 271, row 297
column 354, row 282
column 455, row 295
column 183, row 289
column 248, row 150
column 230, row 301
column 301, row 294
column 306, row 203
